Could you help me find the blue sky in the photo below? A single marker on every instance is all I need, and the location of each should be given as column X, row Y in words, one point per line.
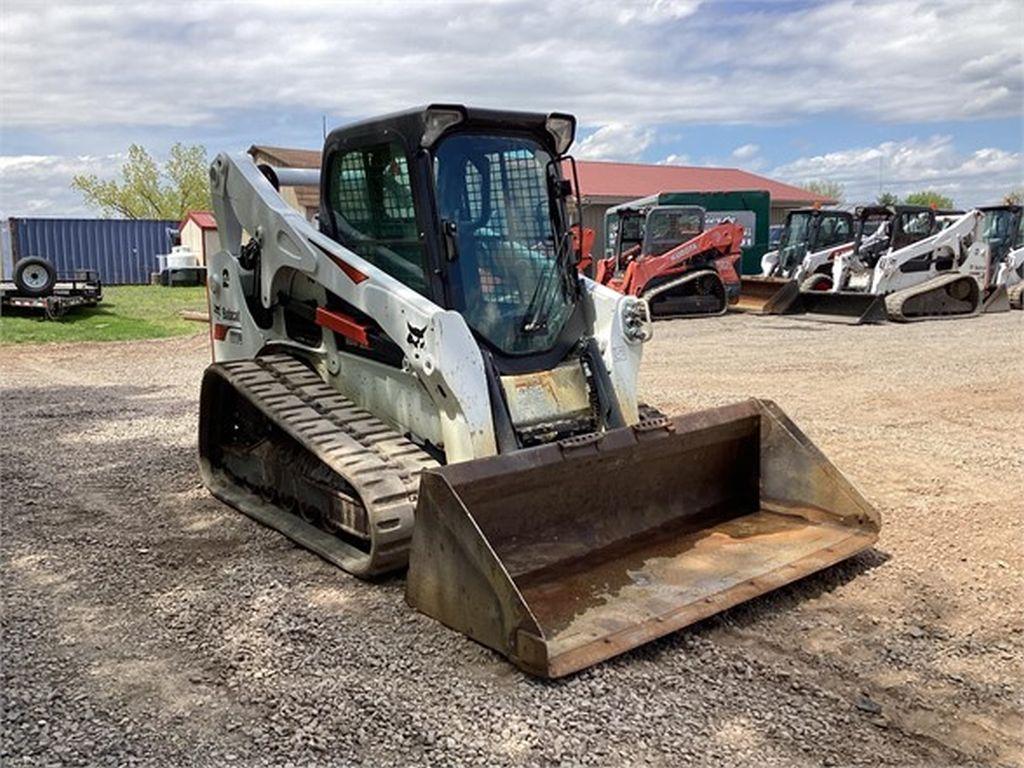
column 913, row 94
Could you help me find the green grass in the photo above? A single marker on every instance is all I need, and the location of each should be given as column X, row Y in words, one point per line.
column 126, row 312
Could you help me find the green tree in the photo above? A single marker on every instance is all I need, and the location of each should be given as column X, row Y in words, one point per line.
column 1014, row 196
column 148, row 190
column 833, row 190
column 887, row 198
column 929, row 197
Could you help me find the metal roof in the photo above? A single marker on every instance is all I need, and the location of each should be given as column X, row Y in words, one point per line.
column 286, row 157
column 204, row 219
column 616, row 180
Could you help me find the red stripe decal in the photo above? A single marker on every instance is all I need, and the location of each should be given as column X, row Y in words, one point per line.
column 343, row 324
column 353, row 274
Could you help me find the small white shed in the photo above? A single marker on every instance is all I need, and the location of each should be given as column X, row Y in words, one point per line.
column 199, row 232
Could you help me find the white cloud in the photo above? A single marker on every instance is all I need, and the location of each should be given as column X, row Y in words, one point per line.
column 746, row 151
column 144, row 63
column 653, row 12
column 624, row 68
column 40, row 185
column 676, row 159
column 615, row 141
column 980, row 177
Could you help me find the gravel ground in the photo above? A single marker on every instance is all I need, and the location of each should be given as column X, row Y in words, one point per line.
column 145, row 623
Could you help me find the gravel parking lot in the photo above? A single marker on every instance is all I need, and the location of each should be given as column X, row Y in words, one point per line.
column 146, row 623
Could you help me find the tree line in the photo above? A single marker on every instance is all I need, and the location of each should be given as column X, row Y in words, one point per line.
column 927, row 197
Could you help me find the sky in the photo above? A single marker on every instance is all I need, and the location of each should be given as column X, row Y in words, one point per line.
column 895, row 96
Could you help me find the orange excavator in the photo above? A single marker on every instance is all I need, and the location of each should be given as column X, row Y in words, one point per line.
column 663, row 253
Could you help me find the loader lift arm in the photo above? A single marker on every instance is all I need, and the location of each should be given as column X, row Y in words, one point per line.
column 434, row 341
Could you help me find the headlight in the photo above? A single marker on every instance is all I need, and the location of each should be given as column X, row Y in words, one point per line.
column 438, row 120
column 636, row 320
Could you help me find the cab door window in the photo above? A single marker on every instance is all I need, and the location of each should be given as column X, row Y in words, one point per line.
column 834, row 231
column 374, row 215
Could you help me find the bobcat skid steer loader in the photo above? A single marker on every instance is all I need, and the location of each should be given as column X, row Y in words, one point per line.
column 425, row 379
column 664, row 254
column 1011, row 272
column 811, row 240
column 919, row 270
column 1003, row 230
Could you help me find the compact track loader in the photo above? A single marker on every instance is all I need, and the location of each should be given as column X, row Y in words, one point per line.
column 811, row 240
column 1003, row 230
column 426, row 379
column 910, row 267
column 664, row 254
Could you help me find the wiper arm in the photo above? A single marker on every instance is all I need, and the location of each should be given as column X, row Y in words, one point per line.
column 536, row 316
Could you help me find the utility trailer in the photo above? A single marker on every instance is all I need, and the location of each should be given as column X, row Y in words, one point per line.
column 36, row 286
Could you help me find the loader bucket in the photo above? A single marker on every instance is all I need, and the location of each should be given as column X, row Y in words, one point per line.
column 997, row 301
column 766, row 295
column 844, row 307
column 1015, row 295
column 564, row 555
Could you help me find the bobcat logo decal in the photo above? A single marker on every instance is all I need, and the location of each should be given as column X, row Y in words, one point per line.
column 415, row 336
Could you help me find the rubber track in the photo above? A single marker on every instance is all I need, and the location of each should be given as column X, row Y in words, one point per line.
column 895, row 301
column 1015, row 294
column 650, row 294
column 380, row 464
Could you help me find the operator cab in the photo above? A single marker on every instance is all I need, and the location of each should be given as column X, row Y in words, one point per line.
column 1002, row 229
column 809, row 230
column 881, row 228
column 467, row 207
column 652, row 230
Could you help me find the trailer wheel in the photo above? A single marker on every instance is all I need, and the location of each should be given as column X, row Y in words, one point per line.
column 35, row 276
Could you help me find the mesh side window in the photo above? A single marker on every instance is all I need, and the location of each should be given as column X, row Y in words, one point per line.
column 371, row 197
column 474, row 192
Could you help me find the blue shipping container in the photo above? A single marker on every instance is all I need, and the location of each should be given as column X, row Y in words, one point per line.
column 123, row 251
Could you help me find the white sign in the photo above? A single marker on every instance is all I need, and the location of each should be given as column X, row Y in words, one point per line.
column 746, row 219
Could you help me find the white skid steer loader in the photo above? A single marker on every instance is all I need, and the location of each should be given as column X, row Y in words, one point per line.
column 811, row 240
column 1003, row 230
column 425, row 378
column 912, row 268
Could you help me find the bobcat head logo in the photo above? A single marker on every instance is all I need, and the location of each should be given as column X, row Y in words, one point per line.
column 415, row 336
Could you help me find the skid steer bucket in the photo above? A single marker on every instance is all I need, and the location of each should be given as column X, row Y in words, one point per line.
column 766, row 295
column 997, row 301
column 843, row 307
column 564, row 555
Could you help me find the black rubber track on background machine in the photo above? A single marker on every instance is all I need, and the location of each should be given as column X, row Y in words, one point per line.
column 945, row 296
column 701, row 296
column 1015, row 295
column 281, row 445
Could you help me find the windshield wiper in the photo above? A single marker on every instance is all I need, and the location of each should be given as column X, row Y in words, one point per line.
column 536, row 316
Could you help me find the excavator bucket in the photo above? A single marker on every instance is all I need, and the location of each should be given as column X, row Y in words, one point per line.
column 842, row 307
column 567, row 554
column 766, row 295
